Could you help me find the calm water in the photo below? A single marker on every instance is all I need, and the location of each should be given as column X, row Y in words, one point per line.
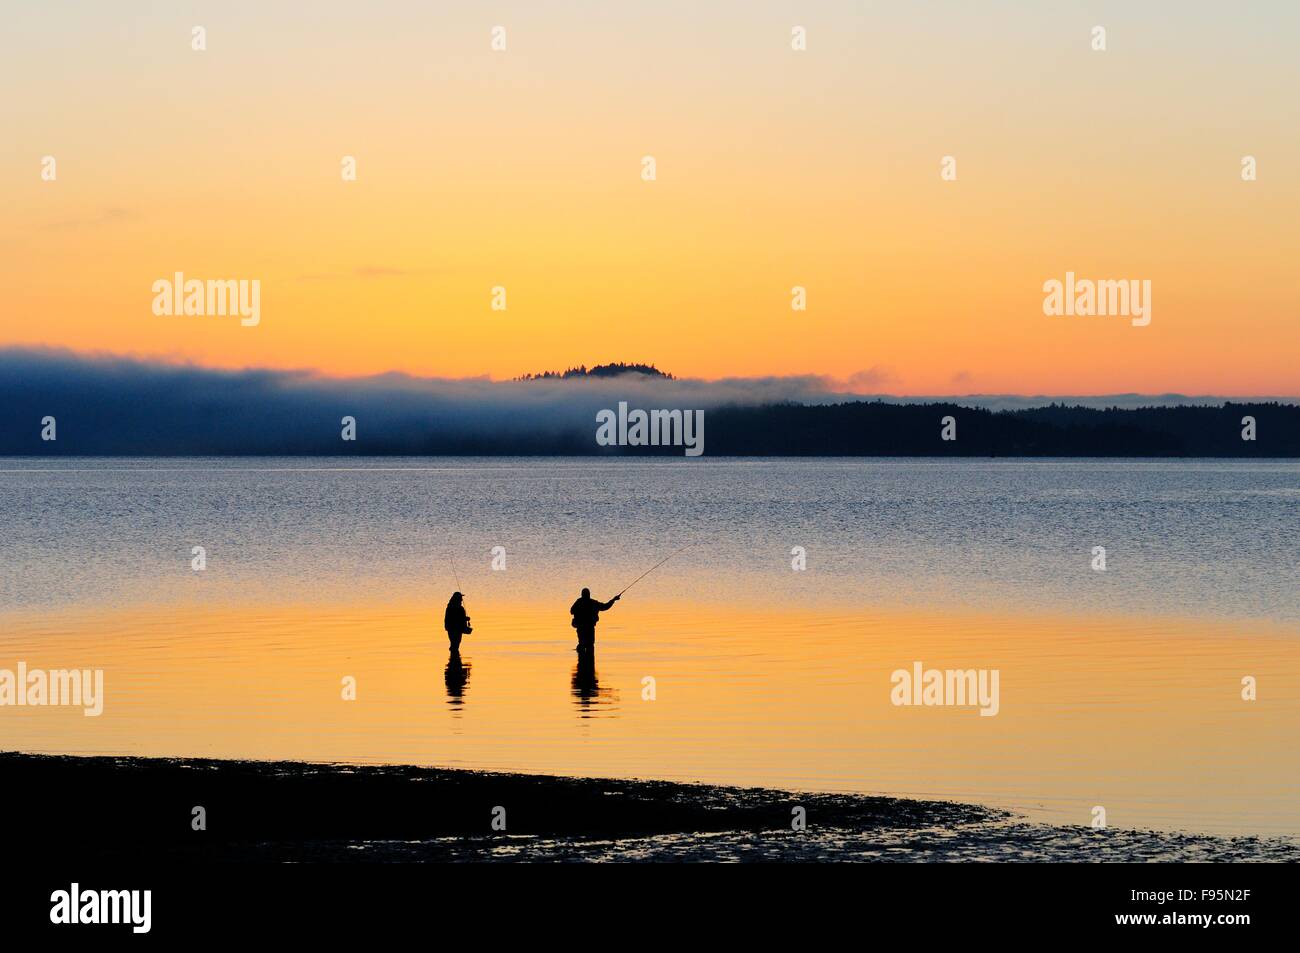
column 1119, row 689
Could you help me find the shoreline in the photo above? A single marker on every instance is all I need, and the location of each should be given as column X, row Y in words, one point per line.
column 143, row 809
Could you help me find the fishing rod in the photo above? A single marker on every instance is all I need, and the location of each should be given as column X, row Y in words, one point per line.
column 653, row 568
column 452, row 559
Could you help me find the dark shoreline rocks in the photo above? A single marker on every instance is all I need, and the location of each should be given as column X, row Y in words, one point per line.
column 134, row 809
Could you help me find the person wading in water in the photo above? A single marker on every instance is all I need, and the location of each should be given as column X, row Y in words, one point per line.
column 586, row 613
column 455, row 621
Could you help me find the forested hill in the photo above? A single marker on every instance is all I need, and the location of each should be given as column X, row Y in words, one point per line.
column 600, row 371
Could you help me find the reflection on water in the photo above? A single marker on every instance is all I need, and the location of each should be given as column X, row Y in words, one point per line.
column 456, row 677
column 590, row 699
column 1144, row 717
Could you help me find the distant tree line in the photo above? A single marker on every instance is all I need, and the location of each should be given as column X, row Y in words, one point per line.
column 156, row 420
column 877, row 428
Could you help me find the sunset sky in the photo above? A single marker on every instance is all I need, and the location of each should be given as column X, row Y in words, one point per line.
column 775, row 168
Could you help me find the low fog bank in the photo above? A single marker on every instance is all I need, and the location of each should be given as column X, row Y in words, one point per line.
column 119, row 406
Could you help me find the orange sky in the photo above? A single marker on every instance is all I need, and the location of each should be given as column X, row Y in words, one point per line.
column 775, row 168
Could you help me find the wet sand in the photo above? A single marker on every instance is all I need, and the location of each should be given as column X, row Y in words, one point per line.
column 141, row 809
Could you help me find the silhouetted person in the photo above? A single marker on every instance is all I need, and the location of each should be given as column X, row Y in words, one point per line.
column 456, row 676
column 455, row 621
column 586, row 613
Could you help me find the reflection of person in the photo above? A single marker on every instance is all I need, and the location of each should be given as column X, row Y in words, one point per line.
column 456, row 676
column 586, row 613
column 455, row 621
column 585, row 686
column 589, row 696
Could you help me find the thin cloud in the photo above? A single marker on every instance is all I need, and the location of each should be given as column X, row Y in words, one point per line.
column 370, row 272
column 108, row 216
